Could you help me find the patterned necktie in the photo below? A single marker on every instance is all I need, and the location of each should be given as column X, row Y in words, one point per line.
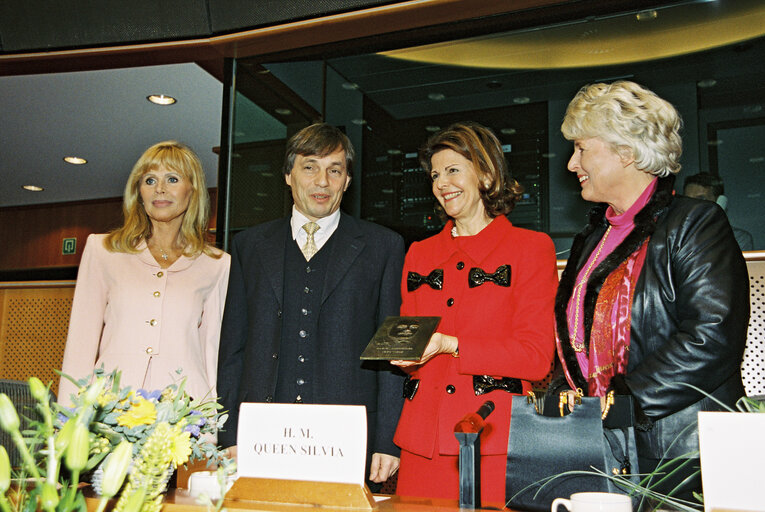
column 309, row 249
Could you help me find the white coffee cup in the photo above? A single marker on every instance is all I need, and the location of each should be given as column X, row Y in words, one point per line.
column 594, row 502
column 206, row 482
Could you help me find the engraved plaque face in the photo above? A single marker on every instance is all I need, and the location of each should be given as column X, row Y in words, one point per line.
column 403, row 330
column 401, row 338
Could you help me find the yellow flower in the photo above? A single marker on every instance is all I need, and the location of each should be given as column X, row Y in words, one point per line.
column 181, row 447
column 142, row 412
column 106, row 397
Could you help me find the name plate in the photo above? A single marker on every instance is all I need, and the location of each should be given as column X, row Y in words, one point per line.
column 731, row 460
column 320, row 443
column 401, row 338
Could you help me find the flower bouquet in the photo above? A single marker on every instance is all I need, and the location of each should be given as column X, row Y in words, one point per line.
column 139, row 434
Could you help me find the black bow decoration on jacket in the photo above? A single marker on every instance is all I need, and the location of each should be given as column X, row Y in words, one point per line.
column 435, row 280
column 501, row 277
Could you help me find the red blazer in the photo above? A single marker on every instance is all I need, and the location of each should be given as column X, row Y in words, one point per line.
column 502, row 331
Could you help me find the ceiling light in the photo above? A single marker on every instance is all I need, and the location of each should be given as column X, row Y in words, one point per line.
column 75, row 160
column 436, row 96
column 520, row 100
column 432, row 128
column 394, row 151
column 707, row 82
column 549, row 155
column 647, row 15
column 359, row 122
column 753, row 109
column 161, row 99
column 507, row 131
column 283, row 111
column 33, row 188
column 350, row 86
column 757, row 159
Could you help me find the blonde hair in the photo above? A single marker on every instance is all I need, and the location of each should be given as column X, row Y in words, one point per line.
column 629, row 117
column 175, row 157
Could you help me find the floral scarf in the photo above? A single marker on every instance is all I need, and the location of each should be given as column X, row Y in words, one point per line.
column 610, row 335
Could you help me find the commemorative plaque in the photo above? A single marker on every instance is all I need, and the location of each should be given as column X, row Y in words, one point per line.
column 401, row 338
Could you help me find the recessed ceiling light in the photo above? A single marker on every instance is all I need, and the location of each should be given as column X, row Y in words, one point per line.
column 359, row 122
column 75, row 160
column 520, row 100
column 432, row 128
column 161, row 99
column 436, row 96
column 757, row 159
column 33, row 188
column 507, row 131
column 394, row 151
column 350, row 86
column 283, row 111
column 707, row 82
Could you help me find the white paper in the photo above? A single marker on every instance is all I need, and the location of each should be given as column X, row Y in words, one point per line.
column 321, row 443
column 732, row 455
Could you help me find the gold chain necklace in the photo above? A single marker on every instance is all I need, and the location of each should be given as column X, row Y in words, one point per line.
column 579, row 345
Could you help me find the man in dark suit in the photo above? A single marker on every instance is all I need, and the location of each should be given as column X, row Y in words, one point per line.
column 306, row 294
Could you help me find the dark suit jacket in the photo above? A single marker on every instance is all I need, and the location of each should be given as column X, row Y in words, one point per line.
column 361, row 288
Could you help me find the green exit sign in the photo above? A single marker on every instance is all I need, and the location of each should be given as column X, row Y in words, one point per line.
column 69, row 247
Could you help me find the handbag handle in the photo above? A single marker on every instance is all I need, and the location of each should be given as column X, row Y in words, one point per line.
column 563, row 399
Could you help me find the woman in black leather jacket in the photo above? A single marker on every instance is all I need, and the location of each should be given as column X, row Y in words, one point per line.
column 655, row 294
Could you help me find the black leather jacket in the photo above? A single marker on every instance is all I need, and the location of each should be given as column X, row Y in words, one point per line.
column 689, row 320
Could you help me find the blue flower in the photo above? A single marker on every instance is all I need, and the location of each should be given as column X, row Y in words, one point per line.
column 196, row 418
column 194, row 430
column 63, row 418
column 150, row 395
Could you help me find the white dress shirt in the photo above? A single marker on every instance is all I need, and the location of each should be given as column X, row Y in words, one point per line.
column 327, row 226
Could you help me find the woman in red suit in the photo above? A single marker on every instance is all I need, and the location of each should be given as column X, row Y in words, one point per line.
column 493, row 285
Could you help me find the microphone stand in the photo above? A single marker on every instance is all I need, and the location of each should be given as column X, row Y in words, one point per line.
column 468, row 432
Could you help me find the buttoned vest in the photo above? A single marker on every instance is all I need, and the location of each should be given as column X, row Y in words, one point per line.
column 303, row 286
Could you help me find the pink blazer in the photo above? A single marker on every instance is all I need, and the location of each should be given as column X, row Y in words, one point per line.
column 154, row 324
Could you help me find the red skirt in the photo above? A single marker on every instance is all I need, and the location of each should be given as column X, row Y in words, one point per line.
column 439, row 477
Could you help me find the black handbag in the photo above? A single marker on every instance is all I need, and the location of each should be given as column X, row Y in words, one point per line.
column 542, row 448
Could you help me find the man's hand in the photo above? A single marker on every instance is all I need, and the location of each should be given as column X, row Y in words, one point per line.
column 383, row 467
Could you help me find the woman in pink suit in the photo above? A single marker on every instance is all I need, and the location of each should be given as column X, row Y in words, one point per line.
column 149, row 295
column 493, row 285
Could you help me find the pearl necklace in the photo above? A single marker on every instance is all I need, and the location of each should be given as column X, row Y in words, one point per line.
column 579, row 345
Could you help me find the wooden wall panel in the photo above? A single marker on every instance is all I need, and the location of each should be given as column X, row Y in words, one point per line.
column 33, row 326
column 35, row 234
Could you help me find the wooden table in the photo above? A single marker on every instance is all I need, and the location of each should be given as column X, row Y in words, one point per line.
column 179, row 500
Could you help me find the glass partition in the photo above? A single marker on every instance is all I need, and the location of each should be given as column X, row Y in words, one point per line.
column 705, row 57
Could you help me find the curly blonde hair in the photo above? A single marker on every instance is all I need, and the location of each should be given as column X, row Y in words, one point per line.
column 481, row 147
column 179, row 158
column 632, row 120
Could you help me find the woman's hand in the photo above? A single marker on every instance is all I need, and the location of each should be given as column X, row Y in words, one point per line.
column 571, row 400
column 438, row 344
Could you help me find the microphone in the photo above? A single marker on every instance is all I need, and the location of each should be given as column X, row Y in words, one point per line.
column 473, row 422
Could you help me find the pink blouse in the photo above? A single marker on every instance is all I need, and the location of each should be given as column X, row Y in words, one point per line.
column 156, row 325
